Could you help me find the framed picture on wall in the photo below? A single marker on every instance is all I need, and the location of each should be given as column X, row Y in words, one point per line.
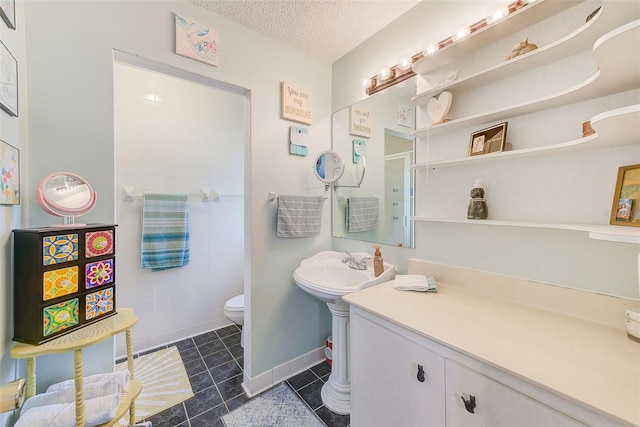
column 405, row 115
column 8, row 81
column 9, row 174
column 196, row 40
column 625, row 209
column 8, row 13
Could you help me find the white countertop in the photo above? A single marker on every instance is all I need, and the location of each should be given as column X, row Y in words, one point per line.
column 593, row 365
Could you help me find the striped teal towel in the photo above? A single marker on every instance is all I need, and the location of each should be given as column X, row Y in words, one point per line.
column 165, row 231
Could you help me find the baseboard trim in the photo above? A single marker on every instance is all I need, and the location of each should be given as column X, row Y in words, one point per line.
column 264, row 381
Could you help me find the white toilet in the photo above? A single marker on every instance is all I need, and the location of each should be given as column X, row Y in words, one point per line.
column 234, row 311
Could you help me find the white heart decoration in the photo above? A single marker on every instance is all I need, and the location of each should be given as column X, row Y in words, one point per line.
column 437, row 108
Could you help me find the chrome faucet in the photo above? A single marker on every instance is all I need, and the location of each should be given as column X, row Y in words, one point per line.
column 353, row 263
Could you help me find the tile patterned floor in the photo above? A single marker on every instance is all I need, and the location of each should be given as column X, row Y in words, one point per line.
column 213, row 362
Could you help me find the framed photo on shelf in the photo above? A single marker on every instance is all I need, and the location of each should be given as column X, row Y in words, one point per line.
column 489, row 140
column 625, row 209
column 9, row 174
column 8, row 13
column 8, row 81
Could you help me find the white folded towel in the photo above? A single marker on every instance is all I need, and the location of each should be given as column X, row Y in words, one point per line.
column 415, row 282
column 106, row 380
column 93, row 386
column 96, row 411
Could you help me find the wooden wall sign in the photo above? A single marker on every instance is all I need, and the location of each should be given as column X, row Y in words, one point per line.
column 296, row 104
column 359, row 121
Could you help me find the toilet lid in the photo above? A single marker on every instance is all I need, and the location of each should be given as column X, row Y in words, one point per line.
column 236, row 302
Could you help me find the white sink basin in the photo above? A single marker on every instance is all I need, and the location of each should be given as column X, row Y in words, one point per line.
column 325, row 276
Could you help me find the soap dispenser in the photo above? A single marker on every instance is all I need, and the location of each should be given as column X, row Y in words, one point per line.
column 378, row 263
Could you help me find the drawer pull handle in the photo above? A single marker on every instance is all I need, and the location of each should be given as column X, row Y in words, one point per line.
column 470, row 404
column 421, row 376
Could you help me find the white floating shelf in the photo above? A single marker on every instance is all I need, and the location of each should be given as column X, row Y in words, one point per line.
column 618, row 72
column 522, row 18
column 612, row 233
column 612, row 129
column 584, row 38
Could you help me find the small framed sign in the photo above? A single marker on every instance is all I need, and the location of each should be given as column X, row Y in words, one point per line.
column 296, row 104
column 626, row 199
column 489, row 140
column 359, row 121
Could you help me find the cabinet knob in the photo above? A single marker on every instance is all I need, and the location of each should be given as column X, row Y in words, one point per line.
column 421, row 376
column 470, row 404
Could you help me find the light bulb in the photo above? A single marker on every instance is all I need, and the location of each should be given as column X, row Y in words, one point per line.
column 430, row 48
column 497, row 13
column 368, row 83
column 404, row 62
column 384, row 73
column 460, row 32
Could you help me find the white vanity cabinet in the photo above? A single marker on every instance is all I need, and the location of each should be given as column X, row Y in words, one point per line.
column 581, row 71
column 474, row 400
column 395, row 381
column 386, row 390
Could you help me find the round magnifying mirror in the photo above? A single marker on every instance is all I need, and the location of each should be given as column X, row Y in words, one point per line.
column 328, row 167
column 67, row 195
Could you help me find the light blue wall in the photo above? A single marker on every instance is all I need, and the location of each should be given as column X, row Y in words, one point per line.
column 69, row 74
column 12, row 131
column 562, row 257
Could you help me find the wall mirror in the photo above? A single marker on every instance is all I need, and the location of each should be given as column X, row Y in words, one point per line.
column 378, row 127
column 361, row 169
column 66, row 195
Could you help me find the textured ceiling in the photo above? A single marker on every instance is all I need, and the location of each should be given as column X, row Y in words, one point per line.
column 327, row 29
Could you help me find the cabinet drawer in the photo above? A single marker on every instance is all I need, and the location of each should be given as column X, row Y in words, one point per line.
column 64, row 279
column 475, row 400
column 386, row 388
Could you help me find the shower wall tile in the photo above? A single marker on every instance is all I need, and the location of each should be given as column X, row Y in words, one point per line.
column 180, row 146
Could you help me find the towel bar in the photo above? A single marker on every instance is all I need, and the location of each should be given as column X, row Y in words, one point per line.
column 204, row 195
column 274, row 196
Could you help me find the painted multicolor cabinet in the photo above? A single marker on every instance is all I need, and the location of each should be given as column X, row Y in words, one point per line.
column 64, row 278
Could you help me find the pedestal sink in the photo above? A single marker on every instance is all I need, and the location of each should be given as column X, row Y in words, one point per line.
column 327, row 278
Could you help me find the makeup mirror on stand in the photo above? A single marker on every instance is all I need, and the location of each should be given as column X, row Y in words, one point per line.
column 66, row 195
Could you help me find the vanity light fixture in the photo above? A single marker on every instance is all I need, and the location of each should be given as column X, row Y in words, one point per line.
column 368, row 83
column 429, row 48
column 385, row 73
column 460, row 31
column 497, row 13
column 397, row 74
column 404, row 62
column 388, row 77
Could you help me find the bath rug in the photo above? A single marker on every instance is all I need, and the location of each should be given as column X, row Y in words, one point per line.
column 279, row 406
column 164, row 382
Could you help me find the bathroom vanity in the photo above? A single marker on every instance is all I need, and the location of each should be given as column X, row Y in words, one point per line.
column 490, row 350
